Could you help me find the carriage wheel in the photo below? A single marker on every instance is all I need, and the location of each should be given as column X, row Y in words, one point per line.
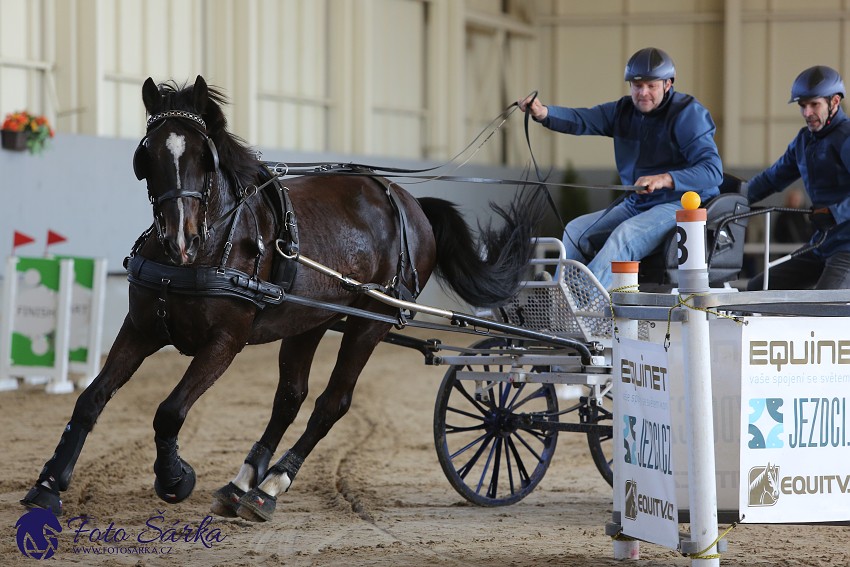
column 601, row 443
column 486, row 444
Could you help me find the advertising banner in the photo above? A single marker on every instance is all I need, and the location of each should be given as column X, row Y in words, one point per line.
column 648, row 490
column 795, row 398
column 726, row 405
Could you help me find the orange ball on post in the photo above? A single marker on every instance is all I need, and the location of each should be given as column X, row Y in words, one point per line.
column 691, row 201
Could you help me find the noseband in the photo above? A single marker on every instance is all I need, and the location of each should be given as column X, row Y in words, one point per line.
column 211, row 162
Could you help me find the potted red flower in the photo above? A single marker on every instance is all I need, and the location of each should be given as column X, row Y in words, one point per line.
column 25, row 131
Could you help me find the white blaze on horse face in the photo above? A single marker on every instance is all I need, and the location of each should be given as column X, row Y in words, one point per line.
column 176, row 144
column 181, row 233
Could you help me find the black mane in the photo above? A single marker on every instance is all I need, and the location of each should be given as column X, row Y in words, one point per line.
column 236, row 157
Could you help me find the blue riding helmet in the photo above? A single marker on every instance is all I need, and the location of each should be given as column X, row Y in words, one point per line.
column 817, row 81
column 650, row 64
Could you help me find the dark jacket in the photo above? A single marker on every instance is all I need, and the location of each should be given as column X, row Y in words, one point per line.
column 822, row 160
column 676, row 138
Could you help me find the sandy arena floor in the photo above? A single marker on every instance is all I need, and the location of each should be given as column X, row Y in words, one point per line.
column 371, row 494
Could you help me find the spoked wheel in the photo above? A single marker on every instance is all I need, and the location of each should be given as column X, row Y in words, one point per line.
column 489, row 436
column 601, row 440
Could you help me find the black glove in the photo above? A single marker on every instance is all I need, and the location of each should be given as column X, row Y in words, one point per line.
column 822, row 218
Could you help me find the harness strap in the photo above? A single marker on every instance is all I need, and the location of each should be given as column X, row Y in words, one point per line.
column 208, row 281
column 162, row 310
column 397, row 286
column 246, row 195
column 405, row 256
column 228, row 245
column 286, row 241
column 288, row 224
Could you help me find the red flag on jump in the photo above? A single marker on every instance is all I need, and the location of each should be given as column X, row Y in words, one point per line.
column 54, row 238
column 21, row 239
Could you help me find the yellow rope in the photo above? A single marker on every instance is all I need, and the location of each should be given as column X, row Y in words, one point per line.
column 700, row 554
column 684, row 303
column 620, row 536
column 631, row 288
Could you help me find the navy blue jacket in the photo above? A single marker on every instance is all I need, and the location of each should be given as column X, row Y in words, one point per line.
column 675, row 138
column 822, row 160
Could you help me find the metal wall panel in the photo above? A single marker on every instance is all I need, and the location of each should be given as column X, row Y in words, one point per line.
column 399, row 74
column 24, row 57
column 415, row 78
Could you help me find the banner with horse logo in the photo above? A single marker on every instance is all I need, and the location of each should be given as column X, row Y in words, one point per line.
column 642, row 407
column 795, row 398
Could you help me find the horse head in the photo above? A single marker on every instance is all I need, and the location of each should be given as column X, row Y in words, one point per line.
column 179, row 160
column 772, row 480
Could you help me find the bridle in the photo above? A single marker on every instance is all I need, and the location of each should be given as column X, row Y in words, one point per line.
column 211, row 168
column 243, row 195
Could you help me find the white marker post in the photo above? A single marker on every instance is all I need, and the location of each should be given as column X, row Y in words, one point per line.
column 59, row 382
column 624, row 275
column 693, row 278
column 87, row 320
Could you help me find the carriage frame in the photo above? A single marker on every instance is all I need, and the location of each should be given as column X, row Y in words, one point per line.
column 550, row 344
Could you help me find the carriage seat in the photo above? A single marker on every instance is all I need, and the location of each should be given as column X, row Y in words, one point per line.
column 659, row 270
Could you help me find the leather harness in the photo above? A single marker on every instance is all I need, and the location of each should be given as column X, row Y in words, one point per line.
column 230, row 282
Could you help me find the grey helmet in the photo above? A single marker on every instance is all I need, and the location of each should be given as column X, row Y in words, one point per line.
column 650, row 64
column 817, row 81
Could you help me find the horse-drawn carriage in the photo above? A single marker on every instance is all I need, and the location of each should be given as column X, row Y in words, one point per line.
column 242, row 253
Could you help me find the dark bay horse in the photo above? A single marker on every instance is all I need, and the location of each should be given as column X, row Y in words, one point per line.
column 212, row 274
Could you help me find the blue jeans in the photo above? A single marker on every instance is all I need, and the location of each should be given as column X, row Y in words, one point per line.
column 618, row 234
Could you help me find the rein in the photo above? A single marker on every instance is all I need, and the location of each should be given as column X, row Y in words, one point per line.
column 285, row 169
column 282, row 169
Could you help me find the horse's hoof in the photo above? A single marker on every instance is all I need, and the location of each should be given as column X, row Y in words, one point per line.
column 256, row 506
column 181, row 489
column 41, row 496
column 226, row 500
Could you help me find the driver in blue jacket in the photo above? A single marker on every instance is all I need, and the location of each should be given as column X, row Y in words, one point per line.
column 820, row 155
column 663, row 142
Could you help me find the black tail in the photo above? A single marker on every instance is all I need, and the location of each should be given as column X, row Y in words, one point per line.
column 486, row 271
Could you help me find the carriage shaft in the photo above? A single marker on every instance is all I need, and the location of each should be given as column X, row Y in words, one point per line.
column 459, row 319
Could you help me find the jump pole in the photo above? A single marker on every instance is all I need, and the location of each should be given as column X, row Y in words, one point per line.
column 702, row 488
column 90, row 368
column 624, row 278
column 59, row 382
